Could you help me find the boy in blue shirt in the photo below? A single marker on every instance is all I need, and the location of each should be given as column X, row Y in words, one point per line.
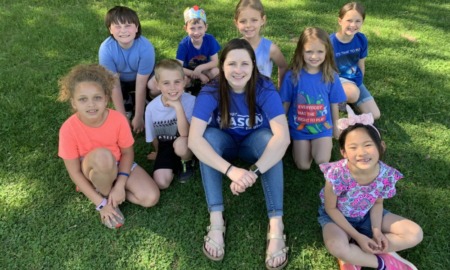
column 197, row 52
column 131, row 57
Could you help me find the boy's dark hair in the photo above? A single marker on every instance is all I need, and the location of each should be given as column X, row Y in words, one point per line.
column 371, row 130
column 120, row 14
column 169, row 64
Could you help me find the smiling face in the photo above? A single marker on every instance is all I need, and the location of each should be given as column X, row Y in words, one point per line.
column 124, row 33
column 361, row 151
column 314, row 53
column 196, row 30
column 171, row 83
column 351, row 23
column 238, row 68
column 90, row 102
column 249, row 22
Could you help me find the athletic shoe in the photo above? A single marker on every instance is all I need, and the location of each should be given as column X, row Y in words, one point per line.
column 393, row 261
column 187, row 170
column 347, row 266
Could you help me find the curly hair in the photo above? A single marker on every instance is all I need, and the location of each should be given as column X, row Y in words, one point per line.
column 85, row 73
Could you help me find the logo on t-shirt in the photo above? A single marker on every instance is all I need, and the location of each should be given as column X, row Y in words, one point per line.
column 238, row 121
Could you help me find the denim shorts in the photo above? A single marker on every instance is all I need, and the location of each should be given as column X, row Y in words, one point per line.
column 364, row 94
column 361, row 224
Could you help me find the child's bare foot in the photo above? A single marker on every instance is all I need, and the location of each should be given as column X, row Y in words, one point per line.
column 151, row 156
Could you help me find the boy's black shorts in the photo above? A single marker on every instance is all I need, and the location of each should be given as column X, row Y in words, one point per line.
column 166, row 157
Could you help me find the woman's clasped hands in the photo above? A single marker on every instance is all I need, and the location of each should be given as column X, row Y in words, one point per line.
column 241, row 179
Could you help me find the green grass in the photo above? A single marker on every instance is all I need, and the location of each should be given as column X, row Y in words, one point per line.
column 45, row 224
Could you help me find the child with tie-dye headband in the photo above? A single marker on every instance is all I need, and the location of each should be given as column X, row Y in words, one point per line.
column 197, row 52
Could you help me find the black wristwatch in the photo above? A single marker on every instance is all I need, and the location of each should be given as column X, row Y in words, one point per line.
column 255, row 169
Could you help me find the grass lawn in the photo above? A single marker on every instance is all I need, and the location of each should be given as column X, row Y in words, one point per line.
column 45, row 224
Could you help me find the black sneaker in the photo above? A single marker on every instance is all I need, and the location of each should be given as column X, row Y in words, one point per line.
column 187, row 170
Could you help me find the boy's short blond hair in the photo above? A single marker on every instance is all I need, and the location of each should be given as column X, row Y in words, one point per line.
column 168, row 64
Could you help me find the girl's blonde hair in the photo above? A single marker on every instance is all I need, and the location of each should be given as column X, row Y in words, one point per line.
column 253, row 4
column 328, row 67
column 85, row 73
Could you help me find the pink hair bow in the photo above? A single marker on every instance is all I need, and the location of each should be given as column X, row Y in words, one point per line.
column 365, row 119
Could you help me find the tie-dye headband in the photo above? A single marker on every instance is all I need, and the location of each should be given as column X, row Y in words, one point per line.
column 194, row 13
column 364, row 119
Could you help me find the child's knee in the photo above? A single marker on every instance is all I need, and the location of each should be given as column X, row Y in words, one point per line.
column 180, row 146
column 102, row 159
column 304, row 166
column 351, row 92
column 376, row 114
column 337, row 248
column 153, row 87
column 214, row 72
column 163, row 180
column 151, row 199
column 321, row 160
column 416, row 234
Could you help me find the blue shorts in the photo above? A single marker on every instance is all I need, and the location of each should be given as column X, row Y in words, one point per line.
column 364, row 94
column 361, row 224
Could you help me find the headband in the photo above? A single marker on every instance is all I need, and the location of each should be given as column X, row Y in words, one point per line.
column 364, row 119
column 194, row 13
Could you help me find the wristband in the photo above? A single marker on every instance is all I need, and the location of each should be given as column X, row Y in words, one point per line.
column 229, row 168
column 123, row 173
column 102, row 204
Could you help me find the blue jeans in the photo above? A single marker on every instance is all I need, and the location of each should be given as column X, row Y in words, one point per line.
column 250, row 150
